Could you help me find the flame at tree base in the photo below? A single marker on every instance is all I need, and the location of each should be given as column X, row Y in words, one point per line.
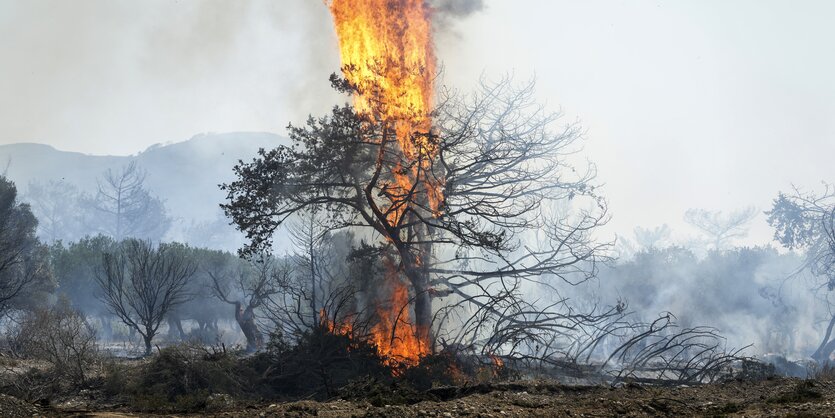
column 398, row 341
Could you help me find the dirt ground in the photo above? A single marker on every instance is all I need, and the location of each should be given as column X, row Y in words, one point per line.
column 770, row 398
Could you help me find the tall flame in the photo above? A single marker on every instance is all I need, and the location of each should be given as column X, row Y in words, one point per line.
column 386, row 49
column 387, row 54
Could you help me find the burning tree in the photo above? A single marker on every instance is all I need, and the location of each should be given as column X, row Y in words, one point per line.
column 453, row 189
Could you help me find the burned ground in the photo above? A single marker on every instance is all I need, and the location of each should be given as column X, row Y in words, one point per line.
column 775, row 397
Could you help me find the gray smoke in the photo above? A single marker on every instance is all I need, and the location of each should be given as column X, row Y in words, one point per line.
column 457, row 8
column 114, row 76
column 447, row 13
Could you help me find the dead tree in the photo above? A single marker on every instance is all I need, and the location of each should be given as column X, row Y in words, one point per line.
column 141, row 283
column 478, row 182
column 254, row 284
column 124, row 208
column 311, row 240
column 719, row 227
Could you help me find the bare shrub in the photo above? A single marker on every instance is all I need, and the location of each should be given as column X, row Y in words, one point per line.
column 60, row 336
column 141, row 282
column 663, row 352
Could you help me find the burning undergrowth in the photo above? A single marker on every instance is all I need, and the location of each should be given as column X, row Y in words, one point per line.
column 319, row 365
column 327, row 363
column 380, row 309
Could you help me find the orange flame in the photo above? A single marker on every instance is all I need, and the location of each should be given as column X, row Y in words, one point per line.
column 386, row 49
column 341, row 328
column 397, row 339
column 387, row 55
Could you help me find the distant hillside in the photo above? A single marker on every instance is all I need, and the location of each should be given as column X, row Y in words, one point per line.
column 184, row 174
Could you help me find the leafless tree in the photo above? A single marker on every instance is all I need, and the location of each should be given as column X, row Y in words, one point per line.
column 605, row 343
column 309, row 237
column 319, row 258
column 721, row 228
column 123, row 207
column 254, row 284
column 520, row 330
column 140, row 284
column 647, row 238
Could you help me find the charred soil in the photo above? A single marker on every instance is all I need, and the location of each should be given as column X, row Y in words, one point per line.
column 774, row 397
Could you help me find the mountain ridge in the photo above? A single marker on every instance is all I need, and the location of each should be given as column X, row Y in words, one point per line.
column 184, row 174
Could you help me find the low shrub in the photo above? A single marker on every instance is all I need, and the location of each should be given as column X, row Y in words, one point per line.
column 317, row 364
column 60, row 336
column 181, row 378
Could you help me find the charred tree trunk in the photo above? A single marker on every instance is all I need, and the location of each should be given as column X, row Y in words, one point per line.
column 245, row 316
column 423, row 310
column 415, row 266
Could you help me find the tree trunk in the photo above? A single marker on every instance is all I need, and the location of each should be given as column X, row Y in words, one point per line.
column 175, row 327
column 416, row 272
column 826, row 347
column 423, row 312
column 147, row 344
column 246, row 320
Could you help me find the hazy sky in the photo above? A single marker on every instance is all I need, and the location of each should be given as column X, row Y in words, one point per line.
column 712, row 104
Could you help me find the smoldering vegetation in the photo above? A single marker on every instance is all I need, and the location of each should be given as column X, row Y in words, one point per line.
column 336, row 292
